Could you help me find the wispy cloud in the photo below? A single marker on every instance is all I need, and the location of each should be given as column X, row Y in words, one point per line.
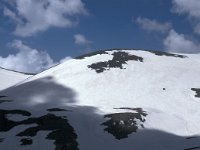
column 26, row 59
column 7, row 12
column 153, row 25
column 33, row 16
column 80, row 39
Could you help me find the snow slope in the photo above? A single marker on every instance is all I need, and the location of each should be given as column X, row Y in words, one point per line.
column 9, row 78
column 117, row 99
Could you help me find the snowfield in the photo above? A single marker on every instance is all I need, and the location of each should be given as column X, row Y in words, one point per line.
column 9, row 78
column 115, row 99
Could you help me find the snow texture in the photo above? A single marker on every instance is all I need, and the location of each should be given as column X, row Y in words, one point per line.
column 142, row 100
column 9, row 78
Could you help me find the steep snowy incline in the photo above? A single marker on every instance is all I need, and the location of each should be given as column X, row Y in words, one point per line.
column 9, row 78
column 117, row 99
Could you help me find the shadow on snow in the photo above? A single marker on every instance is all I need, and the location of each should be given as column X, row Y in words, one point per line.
column 23, row 118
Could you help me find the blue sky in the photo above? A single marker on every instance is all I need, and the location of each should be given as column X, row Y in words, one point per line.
column 36, row 34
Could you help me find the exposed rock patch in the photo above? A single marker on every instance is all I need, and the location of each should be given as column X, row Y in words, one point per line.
column 26, row 141
column 197, row 92
column 192, row 148
column 119, row 58
column 158, row 53
column 1, row 140
column 59, row 128
column 120, row 125
column 2, row 96
column 5, row 123
column 2, row 100
column 60, row 131
column 55, row 109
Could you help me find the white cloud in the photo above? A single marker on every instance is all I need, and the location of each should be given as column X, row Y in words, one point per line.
column 81, row 40
column 153, row 25
column 27, row 59
column 39, row 15
column 190, row 8
column 176, row 42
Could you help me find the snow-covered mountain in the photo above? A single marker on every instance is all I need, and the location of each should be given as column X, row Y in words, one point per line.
column 115, row 99
column 9, row 78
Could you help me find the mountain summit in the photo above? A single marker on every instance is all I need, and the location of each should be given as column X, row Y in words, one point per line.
column 112, row 99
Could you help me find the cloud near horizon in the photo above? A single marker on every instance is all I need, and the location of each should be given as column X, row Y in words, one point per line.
column 26, row 59
column 33, row 16
column 176, row 42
